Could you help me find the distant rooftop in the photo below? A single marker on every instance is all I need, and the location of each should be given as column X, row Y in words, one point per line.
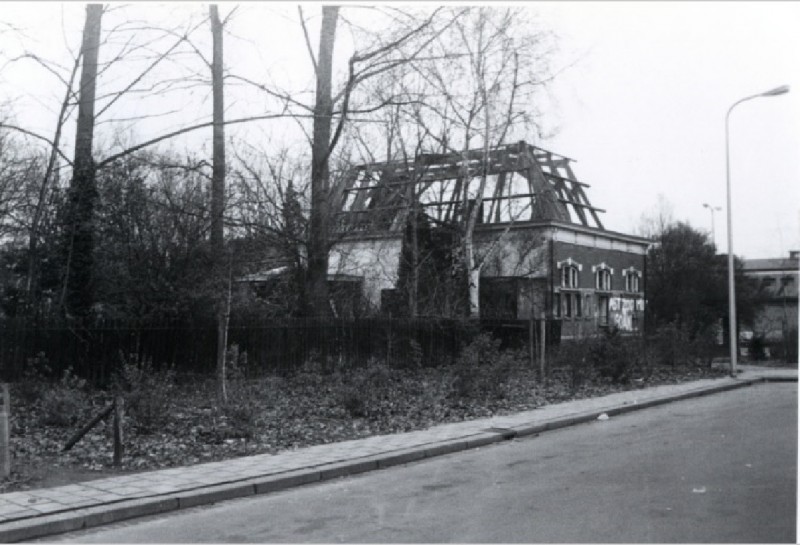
column 774, row 264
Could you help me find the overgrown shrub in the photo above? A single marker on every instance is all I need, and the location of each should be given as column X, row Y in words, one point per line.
column 245, row 397
column 573, row 357
column 616, row 357
column 34, row 380
column 369, row 391
column 786, row 349
column 241, row 419
column 64, row 402
column 148, row 392
column 607, row 355
column 236, row 371
column 671, row 345
column 675, row 346
column 415, row 353
column 482, row 369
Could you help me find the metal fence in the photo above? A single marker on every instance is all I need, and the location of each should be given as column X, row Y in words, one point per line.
column 96, row 352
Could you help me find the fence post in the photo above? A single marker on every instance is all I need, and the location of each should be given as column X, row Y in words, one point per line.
column 542, row 343
column 5, row 410
column 389, row 341
column 531, row 340
column 119, row 414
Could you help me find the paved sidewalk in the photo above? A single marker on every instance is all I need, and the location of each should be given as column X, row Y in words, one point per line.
column 37, row 513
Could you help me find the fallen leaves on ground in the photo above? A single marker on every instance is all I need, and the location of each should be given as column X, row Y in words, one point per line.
column 275, row 414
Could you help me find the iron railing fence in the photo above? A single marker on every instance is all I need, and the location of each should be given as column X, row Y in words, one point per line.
column 96, row 352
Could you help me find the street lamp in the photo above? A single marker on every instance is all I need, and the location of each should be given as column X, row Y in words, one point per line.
column 712, row 209
column 732, row 332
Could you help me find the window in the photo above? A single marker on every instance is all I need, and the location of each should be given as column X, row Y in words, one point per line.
column 571, row 304
column 569, row 273
column 602, row 309
column 603, row 279
column 632, row 282
column 569, row 276
column 588, row 309
column 567, row 302
column 786, row 285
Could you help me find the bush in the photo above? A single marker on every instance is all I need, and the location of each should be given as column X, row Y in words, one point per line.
column 245, row 397
column 482, row 369
column 616, row 357
column 35, row 376
column 757, row 348
column 675, row 346
column 369, row 391
column 235, row 371
column 241, row 419
column 608, row 355
column 574, row 357
column 148, row 393
column 65, row 402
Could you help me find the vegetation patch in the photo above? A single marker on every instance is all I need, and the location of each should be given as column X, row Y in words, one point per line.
column 173, row 419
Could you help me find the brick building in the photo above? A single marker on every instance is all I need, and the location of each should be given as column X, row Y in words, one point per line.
column 777, row 298
column 541, row 245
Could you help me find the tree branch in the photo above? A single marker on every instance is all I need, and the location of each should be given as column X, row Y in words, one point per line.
column 307, row 39
column 184, row 130
column 38, row 137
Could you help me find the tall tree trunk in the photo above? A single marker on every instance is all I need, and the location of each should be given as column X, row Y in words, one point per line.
column 413, row 301
column 218, row 143
column 218, row 199
column 78, row 296
column 320, row 171
column 474, row 267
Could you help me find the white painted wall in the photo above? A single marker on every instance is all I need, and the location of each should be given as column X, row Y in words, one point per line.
column 376, row 260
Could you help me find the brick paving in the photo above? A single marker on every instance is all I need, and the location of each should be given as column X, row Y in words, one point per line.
column 264, row 472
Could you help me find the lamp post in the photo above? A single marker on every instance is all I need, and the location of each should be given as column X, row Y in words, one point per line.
column 712, row 209
column 732, row 332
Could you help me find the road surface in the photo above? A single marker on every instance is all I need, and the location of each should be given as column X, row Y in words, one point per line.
column 721, row 468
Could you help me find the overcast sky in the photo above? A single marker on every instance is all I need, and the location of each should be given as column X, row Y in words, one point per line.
column 641, row 109
column 643, row 113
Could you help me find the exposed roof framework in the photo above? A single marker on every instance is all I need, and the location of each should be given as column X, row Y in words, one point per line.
column 523, row 183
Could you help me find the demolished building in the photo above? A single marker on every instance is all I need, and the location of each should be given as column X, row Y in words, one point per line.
column 540, row 244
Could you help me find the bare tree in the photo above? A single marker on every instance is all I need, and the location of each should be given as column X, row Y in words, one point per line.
column 218, row 197
column 407, row 39
column 92, row 103
column 481, row 91
column 320, row 171
column 77, row 293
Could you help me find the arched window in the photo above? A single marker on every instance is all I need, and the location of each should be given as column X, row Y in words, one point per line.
column 633, row 280
column 570, row 278
column 602, row 277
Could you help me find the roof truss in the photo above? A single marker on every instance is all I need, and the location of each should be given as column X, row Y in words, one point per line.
column 523, row 183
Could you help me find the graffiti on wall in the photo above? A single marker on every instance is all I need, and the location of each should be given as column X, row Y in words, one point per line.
column 622, row 312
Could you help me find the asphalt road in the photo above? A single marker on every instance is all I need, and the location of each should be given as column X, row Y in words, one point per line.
column 721, row 468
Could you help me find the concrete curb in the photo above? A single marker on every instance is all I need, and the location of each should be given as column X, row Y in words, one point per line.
column 89, row 517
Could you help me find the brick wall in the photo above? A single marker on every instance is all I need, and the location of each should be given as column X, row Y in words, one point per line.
column 597, row 308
